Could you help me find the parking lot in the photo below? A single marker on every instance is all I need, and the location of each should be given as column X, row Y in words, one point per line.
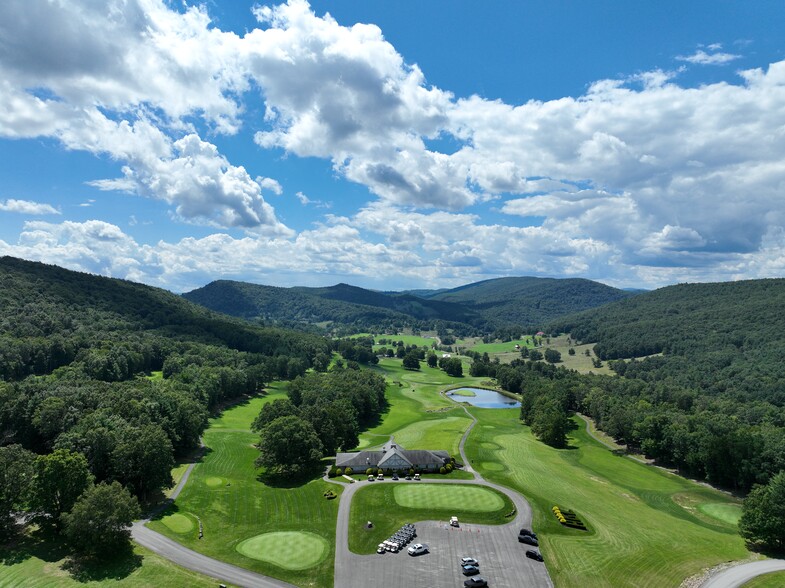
column 502, row 560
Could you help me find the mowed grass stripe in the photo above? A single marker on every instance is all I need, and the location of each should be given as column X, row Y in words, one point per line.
column 447, row 497
column 244, row 507
column 638, row 535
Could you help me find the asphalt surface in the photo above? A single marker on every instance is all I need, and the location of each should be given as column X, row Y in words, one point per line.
column 741, row 574
column 502, row 559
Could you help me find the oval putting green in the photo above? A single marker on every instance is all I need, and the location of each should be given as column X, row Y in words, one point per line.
column 291, row 550
column 728, row 513
column 448, row 497
column 215, row 481
column 179, row 523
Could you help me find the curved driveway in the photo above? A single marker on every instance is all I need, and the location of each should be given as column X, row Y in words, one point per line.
column 741, row 574
column 501, row 557
column 193, row 560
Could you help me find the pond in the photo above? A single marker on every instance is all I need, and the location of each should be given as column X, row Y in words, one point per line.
column 483, row 398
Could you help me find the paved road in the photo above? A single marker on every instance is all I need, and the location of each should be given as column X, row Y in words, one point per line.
column 501, row 557
column 192, row 560
column 741, row 574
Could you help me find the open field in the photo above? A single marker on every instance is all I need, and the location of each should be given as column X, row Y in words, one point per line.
column 234, row 505
column 773, row 580
column 43, row 567
column 507, row 347
column 390, row 505
column 646, row 527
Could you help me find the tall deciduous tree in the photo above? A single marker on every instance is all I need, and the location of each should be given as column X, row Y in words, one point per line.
column 60, row 478
column 763, row 515
column 99, row 524
column 289, row 444
column 16, row 476
column 143, row 460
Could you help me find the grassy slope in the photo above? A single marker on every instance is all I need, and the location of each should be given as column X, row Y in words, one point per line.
column 773, row 580
column 645, row 527
column 44, row 569
column 234, row 505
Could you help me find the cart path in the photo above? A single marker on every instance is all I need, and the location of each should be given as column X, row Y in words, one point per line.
column 190, row 559
column 739, row 575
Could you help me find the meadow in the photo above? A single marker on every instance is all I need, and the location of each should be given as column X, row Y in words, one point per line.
column 270, row 530
column 45, row 566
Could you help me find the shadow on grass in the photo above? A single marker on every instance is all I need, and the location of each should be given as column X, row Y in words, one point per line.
column 293, row 479
column 32, row 544
column 120, row 565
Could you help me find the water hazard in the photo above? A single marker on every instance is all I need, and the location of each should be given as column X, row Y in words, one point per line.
column 483, row 398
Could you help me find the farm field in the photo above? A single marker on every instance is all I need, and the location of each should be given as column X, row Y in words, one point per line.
column 43, row 567
column 390, row 505
column 239, row 513
column 645, row 527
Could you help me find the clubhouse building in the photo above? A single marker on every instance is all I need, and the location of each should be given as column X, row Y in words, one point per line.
column 393, row 458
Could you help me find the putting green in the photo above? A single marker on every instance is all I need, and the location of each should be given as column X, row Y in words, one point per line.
column 447, row 497
column 214, row 481
column 179, row 523
column 291, row 550
column 728, row 513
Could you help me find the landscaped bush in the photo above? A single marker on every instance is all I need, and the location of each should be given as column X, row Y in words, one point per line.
column 369, row 472
column 348, row 472
column 448, row 467
column 442, row 470
column 332, row 472
column 379, row 471
column 338, row 472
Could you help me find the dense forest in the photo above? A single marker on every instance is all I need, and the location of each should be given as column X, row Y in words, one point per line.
column 483, row 307
column 104, row 381
column 711, row 401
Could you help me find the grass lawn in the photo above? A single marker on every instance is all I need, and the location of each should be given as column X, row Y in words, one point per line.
column 773, row 580
column 507, row 347
column 646, row 527
column 44, row 566
column 234, row 506
column 389, row 506
column 292, row 550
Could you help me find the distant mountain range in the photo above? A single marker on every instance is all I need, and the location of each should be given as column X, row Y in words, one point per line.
column 486, row 305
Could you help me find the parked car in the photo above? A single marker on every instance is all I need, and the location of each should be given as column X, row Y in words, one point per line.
column 527, row 532
column 470, row 570
column 532, row 554
column 475, row 581
column 469, row 561
column 416, row 476
column 528, row 539
column 454, row 522
column 418, row 549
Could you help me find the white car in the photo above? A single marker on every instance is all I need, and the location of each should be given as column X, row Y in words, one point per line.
column 470, row 561
column 418, row 549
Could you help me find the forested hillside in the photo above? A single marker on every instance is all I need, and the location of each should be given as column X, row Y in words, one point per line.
column 341, row 305
column 484, row 307
column 107, row 380
column 530, row 301
column 712, row 404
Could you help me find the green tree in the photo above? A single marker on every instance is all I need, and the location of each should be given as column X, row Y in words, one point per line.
column 289, row 444
column 411, row 362
column 59, row 479
column 550, row 423
column 763, row 514
column 16, row 477
column 552, row 356
column 278, row 408
column 143, row 460
column 99, row 524
column 453, row 367
column 535, row 355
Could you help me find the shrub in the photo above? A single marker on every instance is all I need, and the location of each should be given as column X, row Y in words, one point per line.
column 348, row 471
column 448, row 467
column 339, row 472
column 442, row 470
column 411, row 471
column 369, row 472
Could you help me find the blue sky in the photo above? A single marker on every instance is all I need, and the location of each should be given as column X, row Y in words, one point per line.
column 394, row 145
